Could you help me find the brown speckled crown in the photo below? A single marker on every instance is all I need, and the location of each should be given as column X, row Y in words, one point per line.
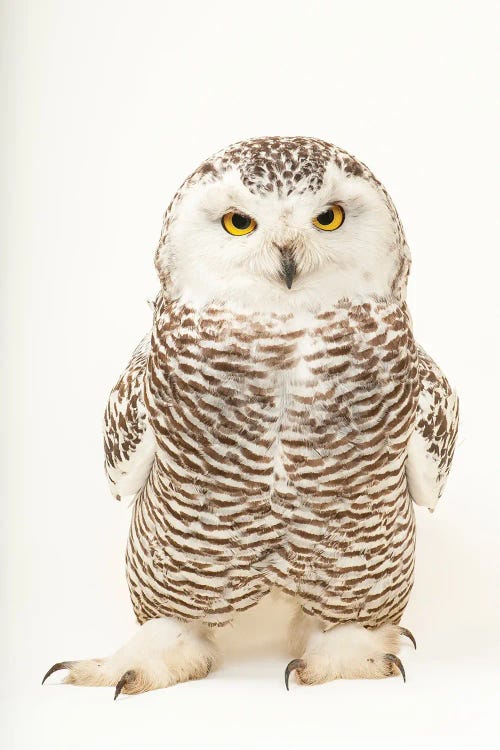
column 282, row 165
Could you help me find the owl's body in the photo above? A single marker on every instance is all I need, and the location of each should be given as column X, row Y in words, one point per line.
column 274, row 436
column 280, row 462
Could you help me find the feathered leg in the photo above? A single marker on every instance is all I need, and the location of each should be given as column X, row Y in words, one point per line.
column 346, row 651
column 163, row 652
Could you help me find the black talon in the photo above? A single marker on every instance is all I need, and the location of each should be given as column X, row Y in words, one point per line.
column 294, row 664
column 395, row 660
column 408, row 634
column 123, row 681
column 57, row 667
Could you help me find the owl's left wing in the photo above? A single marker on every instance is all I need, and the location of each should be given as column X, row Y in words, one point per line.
column 432, row 444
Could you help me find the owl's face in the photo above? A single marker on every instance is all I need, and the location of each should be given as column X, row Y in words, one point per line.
column 282, row 223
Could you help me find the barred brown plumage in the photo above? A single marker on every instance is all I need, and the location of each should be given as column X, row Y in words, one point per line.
column 275, row 427
column 280, row 459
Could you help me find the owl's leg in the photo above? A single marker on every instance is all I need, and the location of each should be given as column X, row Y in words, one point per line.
column 163, row 652
column 347, row 651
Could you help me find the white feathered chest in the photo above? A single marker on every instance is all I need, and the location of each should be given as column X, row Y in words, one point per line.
column 281, row 444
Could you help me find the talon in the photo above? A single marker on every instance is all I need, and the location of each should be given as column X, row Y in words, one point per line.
column 127, row 677
column 294, row 664
column 408, row 634
column 57, row 667
column 395, row 660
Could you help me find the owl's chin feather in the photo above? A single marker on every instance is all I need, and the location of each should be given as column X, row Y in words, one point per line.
column 254, row 293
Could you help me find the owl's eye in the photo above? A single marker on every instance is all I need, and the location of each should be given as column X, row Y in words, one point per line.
column 238, row 224
column 331, row 219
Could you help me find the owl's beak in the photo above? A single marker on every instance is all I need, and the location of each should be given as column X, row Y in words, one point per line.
column 288, row 266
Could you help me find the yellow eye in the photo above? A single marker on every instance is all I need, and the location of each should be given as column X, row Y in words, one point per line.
column 238, row 224
column 331, row 219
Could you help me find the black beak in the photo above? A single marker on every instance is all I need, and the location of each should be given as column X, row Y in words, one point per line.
column 288, row 267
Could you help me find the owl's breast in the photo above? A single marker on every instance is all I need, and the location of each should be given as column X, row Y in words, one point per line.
column 275, row 422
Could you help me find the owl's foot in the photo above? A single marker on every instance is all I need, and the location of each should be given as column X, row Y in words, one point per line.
column 163, row 652
column 348, row 651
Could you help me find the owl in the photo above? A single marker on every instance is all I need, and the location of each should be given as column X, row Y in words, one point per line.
column 277, row 424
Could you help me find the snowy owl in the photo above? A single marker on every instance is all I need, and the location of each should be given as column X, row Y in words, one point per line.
column 277, row 424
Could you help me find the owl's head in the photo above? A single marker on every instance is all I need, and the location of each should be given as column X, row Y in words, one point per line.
column 282, row 223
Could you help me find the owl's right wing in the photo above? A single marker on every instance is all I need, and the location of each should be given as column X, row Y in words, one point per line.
column 432, row 444
column 129, row 441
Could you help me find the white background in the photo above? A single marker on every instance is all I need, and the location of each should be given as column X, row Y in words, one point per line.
column 106, row 107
